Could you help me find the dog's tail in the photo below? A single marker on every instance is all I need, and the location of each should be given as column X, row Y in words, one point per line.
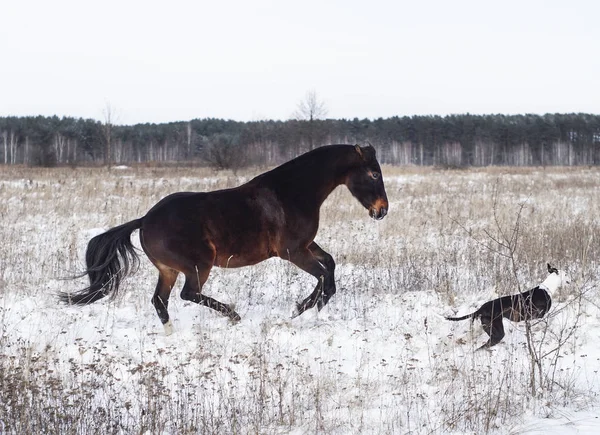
column 468, row 316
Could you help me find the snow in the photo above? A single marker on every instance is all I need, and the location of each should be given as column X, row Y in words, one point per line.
column 379, row 358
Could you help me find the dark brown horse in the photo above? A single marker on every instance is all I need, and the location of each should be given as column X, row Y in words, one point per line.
column 275, row 214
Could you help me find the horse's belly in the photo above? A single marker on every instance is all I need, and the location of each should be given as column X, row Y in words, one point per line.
column 242, row 254
column 239, row 260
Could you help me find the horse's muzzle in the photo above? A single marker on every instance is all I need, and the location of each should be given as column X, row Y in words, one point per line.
column 378, row 213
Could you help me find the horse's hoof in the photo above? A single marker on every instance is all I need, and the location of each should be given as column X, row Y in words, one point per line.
column 234, row 317
column 296, row 312
column 168, row 328
column 300, row 308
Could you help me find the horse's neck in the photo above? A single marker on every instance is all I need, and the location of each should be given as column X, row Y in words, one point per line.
column 322, row 184
column 331, row 178
column 316, row 181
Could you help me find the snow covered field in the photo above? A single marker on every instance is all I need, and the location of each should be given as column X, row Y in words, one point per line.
column 379, row 359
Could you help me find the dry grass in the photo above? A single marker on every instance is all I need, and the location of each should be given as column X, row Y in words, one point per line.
column 434, row 246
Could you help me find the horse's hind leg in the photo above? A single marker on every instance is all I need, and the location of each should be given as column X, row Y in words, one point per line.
column 192, row 291
column 160, row 300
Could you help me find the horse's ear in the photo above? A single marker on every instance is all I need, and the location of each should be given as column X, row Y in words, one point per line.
column 549, row 268
column 359, row 151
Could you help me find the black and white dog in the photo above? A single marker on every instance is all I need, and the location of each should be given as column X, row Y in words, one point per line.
column 532, row 304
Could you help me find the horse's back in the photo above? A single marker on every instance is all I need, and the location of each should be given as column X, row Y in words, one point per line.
column 241, row 225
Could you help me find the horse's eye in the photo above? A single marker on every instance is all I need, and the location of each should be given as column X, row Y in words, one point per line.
column 375, row 175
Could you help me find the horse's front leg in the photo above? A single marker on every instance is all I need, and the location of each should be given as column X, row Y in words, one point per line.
column 319, row 264
column 328, row 284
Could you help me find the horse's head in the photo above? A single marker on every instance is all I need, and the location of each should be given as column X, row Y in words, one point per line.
column 556, row 278
column 365, row 182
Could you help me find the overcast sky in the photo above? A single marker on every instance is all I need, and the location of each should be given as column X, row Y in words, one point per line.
column 256, row 59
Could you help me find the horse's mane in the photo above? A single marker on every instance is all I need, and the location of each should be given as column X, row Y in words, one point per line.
column 310, row 162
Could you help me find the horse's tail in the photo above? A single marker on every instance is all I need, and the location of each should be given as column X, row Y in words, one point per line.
column 109, row 258
column 465, row 317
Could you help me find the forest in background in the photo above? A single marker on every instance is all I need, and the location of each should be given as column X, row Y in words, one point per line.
column 448, row 141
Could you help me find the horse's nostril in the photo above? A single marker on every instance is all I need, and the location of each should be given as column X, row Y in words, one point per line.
column 378, row 213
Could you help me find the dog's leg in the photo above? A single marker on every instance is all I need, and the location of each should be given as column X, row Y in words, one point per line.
column 494, row 328
column 497, row 331
column 486, row 323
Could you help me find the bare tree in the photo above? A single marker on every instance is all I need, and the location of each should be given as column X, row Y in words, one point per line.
column 109, row 115
column 222, row 151
column 60, row 143
column 188, row 153
column 11, row 145
column 310, row 109
column 14, row 144
column 5, row 137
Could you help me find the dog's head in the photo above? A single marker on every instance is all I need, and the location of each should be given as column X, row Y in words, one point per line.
column 556, row 278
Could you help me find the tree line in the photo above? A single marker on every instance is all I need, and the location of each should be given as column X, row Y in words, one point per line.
column 450, row 141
